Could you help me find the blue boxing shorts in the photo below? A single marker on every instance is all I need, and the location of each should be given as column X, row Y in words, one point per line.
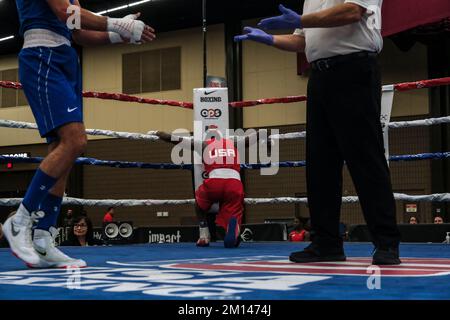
column 51, row 80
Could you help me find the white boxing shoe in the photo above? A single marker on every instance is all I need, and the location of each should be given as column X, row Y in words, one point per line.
column 50, row 256
column 17, row 230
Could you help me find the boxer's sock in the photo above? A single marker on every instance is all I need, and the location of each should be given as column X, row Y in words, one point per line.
column 38, row 190
column 51, row 205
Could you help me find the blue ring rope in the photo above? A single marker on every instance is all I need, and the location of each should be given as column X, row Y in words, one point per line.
column 171, row 166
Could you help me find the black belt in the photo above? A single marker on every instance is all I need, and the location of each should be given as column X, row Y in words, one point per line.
column 329, row 63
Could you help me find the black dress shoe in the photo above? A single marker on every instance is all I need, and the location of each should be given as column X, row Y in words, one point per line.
column 388, row 256
column 314, row 254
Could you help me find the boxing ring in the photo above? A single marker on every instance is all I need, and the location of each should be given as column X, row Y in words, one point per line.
column 251, row 272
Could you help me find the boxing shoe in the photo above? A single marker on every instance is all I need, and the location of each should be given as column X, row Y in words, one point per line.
column 204, row 238
column 49, row 255
column 232, row 237
column 18, row 230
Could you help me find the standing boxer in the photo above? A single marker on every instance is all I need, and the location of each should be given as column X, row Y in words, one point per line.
column 50, row 74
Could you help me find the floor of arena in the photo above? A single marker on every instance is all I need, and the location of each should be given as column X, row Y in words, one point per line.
column 254, row 271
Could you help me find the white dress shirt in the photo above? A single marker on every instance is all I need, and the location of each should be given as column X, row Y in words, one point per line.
column 364, row 35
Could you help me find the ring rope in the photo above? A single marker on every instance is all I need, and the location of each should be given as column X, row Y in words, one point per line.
column 239, row 104
column 171, row 166
column 12, row 202
column 298, row 164
column 422, row 156
column 102, row 163
column 419, row 123
column 151, row 137
column 391, row 125
column 91, row 132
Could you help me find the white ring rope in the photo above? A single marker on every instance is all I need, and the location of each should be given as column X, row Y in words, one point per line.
column 151, row 137
column 419, row 123
column 12, row 202
column 438, row 197
column 392, row 125
column 289, row 136
column 92, row 132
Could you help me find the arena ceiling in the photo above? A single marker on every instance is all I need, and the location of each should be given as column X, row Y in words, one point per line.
column 163, row 15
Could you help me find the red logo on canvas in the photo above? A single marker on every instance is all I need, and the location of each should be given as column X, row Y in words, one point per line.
column 410, row 267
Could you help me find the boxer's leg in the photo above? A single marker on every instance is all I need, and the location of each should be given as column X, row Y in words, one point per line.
column 202, row 206
column 231, row 211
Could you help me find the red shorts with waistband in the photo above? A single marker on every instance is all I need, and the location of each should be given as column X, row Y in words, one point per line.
column 229, row 193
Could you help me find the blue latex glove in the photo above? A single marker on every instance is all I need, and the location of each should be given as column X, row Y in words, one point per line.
column 288, row 20
column 255, row 35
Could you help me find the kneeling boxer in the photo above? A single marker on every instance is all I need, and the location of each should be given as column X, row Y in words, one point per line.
column 223, row 186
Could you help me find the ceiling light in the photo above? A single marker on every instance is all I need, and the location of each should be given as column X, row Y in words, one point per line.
column 124, row 6
column 6, row 38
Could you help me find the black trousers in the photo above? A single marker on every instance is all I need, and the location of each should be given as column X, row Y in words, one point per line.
column 343, row 124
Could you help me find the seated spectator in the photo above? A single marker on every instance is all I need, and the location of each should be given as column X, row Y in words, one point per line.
column 109, row 215
column 438, row 220
column 81, row 233
column 413, row 220
column 291, row 227
column 299, row 233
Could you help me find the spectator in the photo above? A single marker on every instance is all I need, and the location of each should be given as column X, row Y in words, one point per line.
column 438, row 220
column 109, row 215
column 299, row 233
column 293, row 226
column 413, row 220
column 82, row 233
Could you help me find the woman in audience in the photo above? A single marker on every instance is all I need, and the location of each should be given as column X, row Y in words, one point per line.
column 81, row 233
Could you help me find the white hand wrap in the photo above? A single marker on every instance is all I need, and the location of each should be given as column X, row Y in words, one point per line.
column 115, row 37
column 204, row 233
column 128, row 28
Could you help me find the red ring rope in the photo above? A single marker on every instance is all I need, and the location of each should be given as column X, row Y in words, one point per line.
column 239, row 104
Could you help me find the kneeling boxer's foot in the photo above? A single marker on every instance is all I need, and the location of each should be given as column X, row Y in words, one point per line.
column 314, row 254
column 204, row 239
column 232, row 238
column 203, row 242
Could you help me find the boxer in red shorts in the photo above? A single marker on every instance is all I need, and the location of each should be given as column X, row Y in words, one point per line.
column 223, row 186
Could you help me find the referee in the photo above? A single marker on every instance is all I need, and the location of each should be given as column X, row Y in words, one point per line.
column 341, row 39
